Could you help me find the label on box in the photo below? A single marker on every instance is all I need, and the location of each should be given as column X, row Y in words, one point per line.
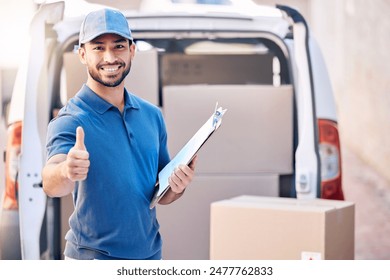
column 311, row 256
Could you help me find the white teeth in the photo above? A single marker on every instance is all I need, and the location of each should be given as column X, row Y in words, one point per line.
column 110, row 69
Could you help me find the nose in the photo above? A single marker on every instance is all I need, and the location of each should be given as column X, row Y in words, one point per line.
column 109, row 56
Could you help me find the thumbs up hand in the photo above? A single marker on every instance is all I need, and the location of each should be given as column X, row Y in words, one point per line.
column 77, row 161
column 80, row 139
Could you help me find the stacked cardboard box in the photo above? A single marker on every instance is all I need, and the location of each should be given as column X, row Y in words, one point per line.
column 275, row 228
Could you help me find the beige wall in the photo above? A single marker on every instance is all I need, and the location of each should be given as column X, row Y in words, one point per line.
column 354, row 37
column 356, row 45
column 303, row 6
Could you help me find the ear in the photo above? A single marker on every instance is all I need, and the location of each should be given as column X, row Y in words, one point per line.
column 132, row 50
column 82, row 55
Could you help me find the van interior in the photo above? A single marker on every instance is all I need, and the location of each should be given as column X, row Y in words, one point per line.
column 252, row 153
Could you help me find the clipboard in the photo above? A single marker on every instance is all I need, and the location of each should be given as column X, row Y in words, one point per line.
column 187, row 153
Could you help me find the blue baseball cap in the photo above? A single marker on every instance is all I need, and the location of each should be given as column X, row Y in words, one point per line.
column 105, row 21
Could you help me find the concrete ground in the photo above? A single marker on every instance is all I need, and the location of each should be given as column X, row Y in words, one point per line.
column 371, row 193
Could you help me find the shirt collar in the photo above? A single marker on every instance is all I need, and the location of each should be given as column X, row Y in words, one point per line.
column 100, row 105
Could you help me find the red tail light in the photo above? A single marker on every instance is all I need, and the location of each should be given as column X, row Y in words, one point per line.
column 331, row 187
column 14, row 141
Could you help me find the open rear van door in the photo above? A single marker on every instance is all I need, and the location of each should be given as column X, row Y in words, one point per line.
column 32, row 199
column 307, row 159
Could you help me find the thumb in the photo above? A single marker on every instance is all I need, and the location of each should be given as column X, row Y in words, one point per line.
column 80, row 139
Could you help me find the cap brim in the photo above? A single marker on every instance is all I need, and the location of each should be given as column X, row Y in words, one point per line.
column 89, row 39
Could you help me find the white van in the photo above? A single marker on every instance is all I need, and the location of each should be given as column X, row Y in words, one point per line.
column 279, row 136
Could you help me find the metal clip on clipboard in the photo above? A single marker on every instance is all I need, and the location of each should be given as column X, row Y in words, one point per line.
column 218, row 114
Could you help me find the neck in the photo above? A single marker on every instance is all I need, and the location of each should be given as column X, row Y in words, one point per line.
column 113, row 95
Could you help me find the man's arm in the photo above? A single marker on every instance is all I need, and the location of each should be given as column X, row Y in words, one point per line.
column 62, row 171
column 178, row 181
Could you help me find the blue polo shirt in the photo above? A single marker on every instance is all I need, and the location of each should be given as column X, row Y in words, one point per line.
column 112, row 219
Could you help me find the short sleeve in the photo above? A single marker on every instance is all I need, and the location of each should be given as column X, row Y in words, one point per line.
column 61, row 135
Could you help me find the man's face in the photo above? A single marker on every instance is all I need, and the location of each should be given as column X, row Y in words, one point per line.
column 108, row 59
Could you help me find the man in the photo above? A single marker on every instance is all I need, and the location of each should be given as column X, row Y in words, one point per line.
column 106, row 147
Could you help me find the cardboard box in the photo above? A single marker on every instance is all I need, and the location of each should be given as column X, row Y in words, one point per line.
column 275, row 228
column 256, row 135
column 185, row 224
column 218, row 69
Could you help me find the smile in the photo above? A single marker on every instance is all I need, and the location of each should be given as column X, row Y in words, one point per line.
column 111, row 69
